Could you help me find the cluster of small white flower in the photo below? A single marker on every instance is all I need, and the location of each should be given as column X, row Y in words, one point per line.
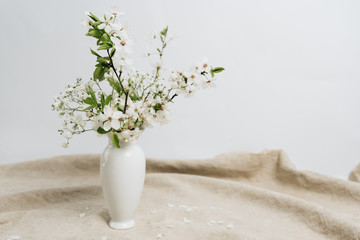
column 134, row 100
column 189, row 82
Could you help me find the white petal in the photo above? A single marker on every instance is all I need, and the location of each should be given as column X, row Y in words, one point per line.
column 85, row 23
column 107, row 110
column 127, row 50
column 115, row 124
column 189, row 209
column 117, row 115
column 102, row 26
column 125, row 134
column 128, row 61
column 160, row 235
column 107, row 126
column 229, row 226
column 68, row 134
column 15, row 237
column 102, row 117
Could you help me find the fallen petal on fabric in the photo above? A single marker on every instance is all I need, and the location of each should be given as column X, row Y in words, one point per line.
column 229, row 226
column 160, row 235
column 212, row 222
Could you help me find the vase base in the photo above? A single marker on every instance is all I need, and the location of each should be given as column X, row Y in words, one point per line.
column 122, row 225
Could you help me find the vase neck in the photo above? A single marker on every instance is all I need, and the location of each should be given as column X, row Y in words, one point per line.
column 122, row 142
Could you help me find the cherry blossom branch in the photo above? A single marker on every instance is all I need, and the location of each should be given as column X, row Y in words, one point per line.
column 113, row 67
column 175, row 95
column 126, row 100
column 119, row 79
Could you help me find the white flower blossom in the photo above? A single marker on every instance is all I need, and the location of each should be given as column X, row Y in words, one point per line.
column 112, row 118
column 86, row 22
column 68, row 134
column 65, row 145
column 121, row 61
column 157, row 64
column 114, row 11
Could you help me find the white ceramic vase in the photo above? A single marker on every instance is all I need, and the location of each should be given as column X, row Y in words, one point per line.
column 122, row 173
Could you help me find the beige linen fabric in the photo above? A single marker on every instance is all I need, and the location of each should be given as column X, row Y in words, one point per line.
column 242, row 196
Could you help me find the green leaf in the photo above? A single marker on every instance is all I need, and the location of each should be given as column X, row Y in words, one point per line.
column 112, row 52
column 97, row 23
column 93, row 17
column 108, row 99
column 212, row 73
column 89, row 107
column 105, row 46
column 94, row 33
column 114, row 84
column 115, row 140
column 134, row 96
column 102, row 131
column 102, row 100
column 99, row 73
column 105, row 38
column 217, row 69
column 92, row 94
column 89, row 101
column 137, row 123
column 103, row 62
column 95, row 53
column 164, row 31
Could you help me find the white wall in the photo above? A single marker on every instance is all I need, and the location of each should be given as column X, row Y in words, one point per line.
column 292, row 77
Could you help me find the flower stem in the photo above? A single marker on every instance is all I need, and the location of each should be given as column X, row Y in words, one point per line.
column 173, row 97
column 119, row 79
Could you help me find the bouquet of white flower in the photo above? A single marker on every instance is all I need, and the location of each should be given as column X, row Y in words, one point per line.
column 120, row 100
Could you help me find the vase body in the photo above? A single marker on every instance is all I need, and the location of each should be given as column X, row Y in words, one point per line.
column 122, row 172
